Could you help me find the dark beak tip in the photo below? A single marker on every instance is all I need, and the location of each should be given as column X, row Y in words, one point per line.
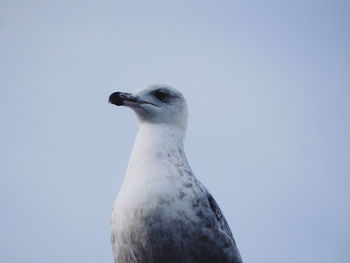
column 116, row 99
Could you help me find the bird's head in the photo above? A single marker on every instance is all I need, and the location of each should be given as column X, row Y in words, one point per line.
column 159, row 104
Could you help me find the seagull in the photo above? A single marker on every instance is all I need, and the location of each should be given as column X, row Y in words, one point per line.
column 163, row 213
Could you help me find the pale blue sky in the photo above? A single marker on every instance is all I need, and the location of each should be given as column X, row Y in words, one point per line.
column 267, row 84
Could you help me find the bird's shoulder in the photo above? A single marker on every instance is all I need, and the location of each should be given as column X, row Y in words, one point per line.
column 213, row 235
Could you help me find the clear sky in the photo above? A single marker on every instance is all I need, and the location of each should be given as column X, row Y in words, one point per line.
column 267, row 83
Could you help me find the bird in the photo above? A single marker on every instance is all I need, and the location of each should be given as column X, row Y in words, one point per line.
column 163, row 213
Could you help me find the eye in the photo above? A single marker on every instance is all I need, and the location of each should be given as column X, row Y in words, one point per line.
column 160, row 94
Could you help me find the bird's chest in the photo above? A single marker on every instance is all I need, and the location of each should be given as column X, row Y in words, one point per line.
column 154, row 180
column 154, row 230
column 155, row 210
column 157, row 196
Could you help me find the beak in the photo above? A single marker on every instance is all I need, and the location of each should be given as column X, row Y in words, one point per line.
column 123, row 99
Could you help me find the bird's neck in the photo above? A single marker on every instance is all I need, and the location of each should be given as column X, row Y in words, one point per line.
column 155, row 140
column 156, row 159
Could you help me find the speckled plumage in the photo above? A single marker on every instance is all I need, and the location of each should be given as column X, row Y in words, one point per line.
column 162, row 212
